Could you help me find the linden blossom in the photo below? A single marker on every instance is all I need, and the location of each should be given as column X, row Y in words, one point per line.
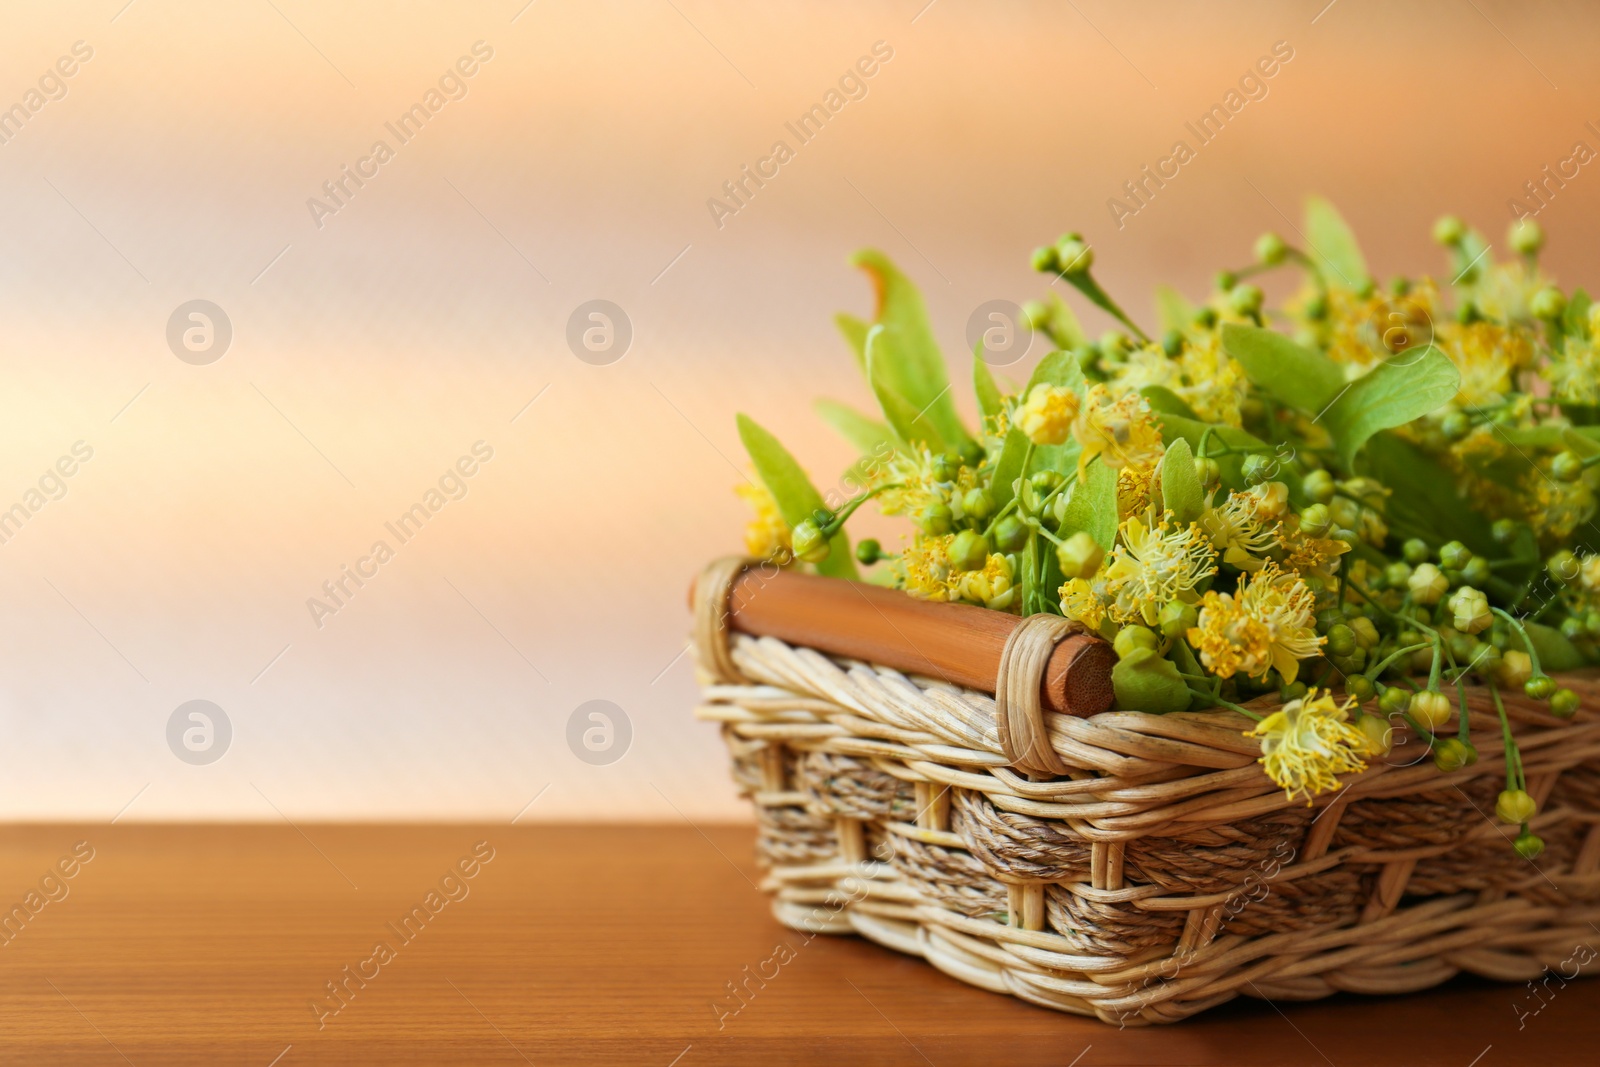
column 404, row 528
column 452, row 86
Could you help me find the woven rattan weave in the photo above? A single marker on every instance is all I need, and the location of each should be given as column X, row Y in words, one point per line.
column 1158, row 872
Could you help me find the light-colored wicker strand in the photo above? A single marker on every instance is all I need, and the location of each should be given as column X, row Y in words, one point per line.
column 1018, row 710
column 1160, row 873
column 712, row 590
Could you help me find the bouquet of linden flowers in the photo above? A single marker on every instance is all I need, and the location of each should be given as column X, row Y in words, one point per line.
column 1381, row 492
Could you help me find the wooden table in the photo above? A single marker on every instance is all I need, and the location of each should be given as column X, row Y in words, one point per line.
column 211, row 944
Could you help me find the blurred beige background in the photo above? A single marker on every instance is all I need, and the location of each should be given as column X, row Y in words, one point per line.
column 371, row 352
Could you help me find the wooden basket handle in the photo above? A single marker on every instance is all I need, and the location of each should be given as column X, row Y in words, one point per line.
column 956, row 643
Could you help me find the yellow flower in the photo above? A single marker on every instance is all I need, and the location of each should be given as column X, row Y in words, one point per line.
column 1083, row 601
column 992, row 586
column 1236, row 530
column 1134, row 483
column 766, row 536
column 1046, row 416
column 1266, row 623
column 1229, row 641
column 925, row 567
column 1308, row 742
column 1119, row 432
column 1217, row 385
column 1311, row 557
column 1589, row 571
column 1487, row 355
column 1270, row 500
column 1153, row 564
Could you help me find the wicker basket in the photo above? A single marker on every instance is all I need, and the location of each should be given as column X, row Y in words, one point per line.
column 1158, row 871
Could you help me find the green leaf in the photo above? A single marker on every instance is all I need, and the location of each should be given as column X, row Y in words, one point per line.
column 1176, row 427
column 1424, row 502
column 1059, row 369
column 1293, row 374
column 793, row 492
column 1575, row 320
column 867, row 435
column 1145, row 681
column 1402, row 388
column 855, row 333
column 1163, row 399
column 908, row 356
column 1172, row 310
column 1556, row 653
column 1092, row 507
column 910, row 424
column 990, row 401
column 1333, row 247
column 1181, row 492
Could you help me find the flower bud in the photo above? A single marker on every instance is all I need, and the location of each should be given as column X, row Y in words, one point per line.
column 1504, row 531
column 1079, row 555
column 1205, row 318
column 1526, row 236
column 1529, row 846
column 1564, row 703
column 1379, row 735
column 1431, row 709
column 1566, row 467
column 1451, row 755
column 1257, row 468
column 1044, row 259
column 1515, row 806
column 1245, row 299
column 977, row 504
column 1397, row 574
column 1130, row 638
column 1073, row 256
column 1427, row 584
column 1270, row 249
column 1360, row 687
column 1454, row 555
column 1516, row 668
column 1177, row 618
column 1539, row 687
column 1394, row 700
column 1315, row 520
column 1415, row 551
column 869, row 551
column 1318, row 486
column 1548, row 304
column 934, row 520
column 1471, row 610
column 1563, row 566
column 1449, row 230
column 1316, row 307
column 1341, row 640
column 1010, row 534
column 1226, row 280
column 969, row 551
column 808, row 542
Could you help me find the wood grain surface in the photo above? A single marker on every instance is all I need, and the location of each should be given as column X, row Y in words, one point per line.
column 573, row 945
column 956, row 643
